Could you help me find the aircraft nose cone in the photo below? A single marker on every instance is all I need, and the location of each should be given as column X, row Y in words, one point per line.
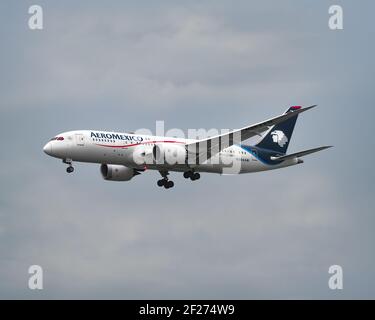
column 48, row 149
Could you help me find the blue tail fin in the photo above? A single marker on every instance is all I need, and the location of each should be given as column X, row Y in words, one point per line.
column 278, row 137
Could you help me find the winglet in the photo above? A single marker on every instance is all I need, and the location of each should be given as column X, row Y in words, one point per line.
column 308, row 108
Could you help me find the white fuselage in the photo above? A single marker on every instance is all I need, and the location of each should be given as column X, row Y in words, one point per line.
column 135, row 151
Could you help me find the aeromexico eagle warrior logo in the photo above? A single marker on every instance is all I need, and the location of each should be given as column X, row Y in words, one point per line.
column 279, row 137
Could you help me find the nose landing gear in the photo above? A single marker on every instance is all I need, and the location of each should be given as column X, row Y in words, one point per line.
column 69, row 169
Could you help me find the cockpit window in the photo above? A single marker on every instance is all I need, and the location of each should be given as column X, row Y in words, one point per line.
column 57, row 138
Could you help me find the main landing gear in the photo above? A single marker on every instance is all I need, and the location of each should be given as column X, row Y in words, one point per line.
column 165, row 182
column 69, row 169
column 192, row 175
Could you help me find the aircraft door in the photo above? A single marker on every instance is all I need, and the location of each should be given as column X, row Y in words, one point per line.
column 80, row 139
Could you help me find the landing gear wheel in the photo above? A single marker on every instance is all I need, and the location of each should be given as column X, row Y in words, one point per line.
column 195, row 176
column 188, row 174
column 69, row 169
column 164, row 181
column 168, row 184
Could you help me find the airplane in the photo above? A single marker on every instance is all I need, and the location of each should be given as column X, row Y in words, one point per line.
column 122, row 156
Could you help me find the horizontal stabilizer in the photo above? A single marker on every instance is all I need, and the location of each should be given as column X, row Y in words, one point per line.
column 300, row 154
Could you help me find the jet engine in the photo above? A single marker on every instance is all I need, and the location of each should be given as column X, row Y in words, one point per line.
column 114, row 172
column 169, row 154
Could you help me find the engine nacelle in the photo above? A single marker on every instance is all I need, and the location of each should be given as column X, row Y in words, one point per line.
column 114, row 172
column 169, row 154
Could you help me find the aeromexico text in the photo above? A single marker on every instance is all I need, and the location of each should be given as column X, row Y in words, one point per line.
column 101, row 135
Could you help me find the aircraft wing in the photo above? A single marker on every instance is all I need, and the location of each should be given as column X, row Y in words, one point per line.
column 300, row 154
column 204, row 149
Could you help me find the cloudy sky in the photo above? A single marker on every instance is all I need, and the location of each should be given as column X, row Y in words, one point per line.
column 122, row 65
